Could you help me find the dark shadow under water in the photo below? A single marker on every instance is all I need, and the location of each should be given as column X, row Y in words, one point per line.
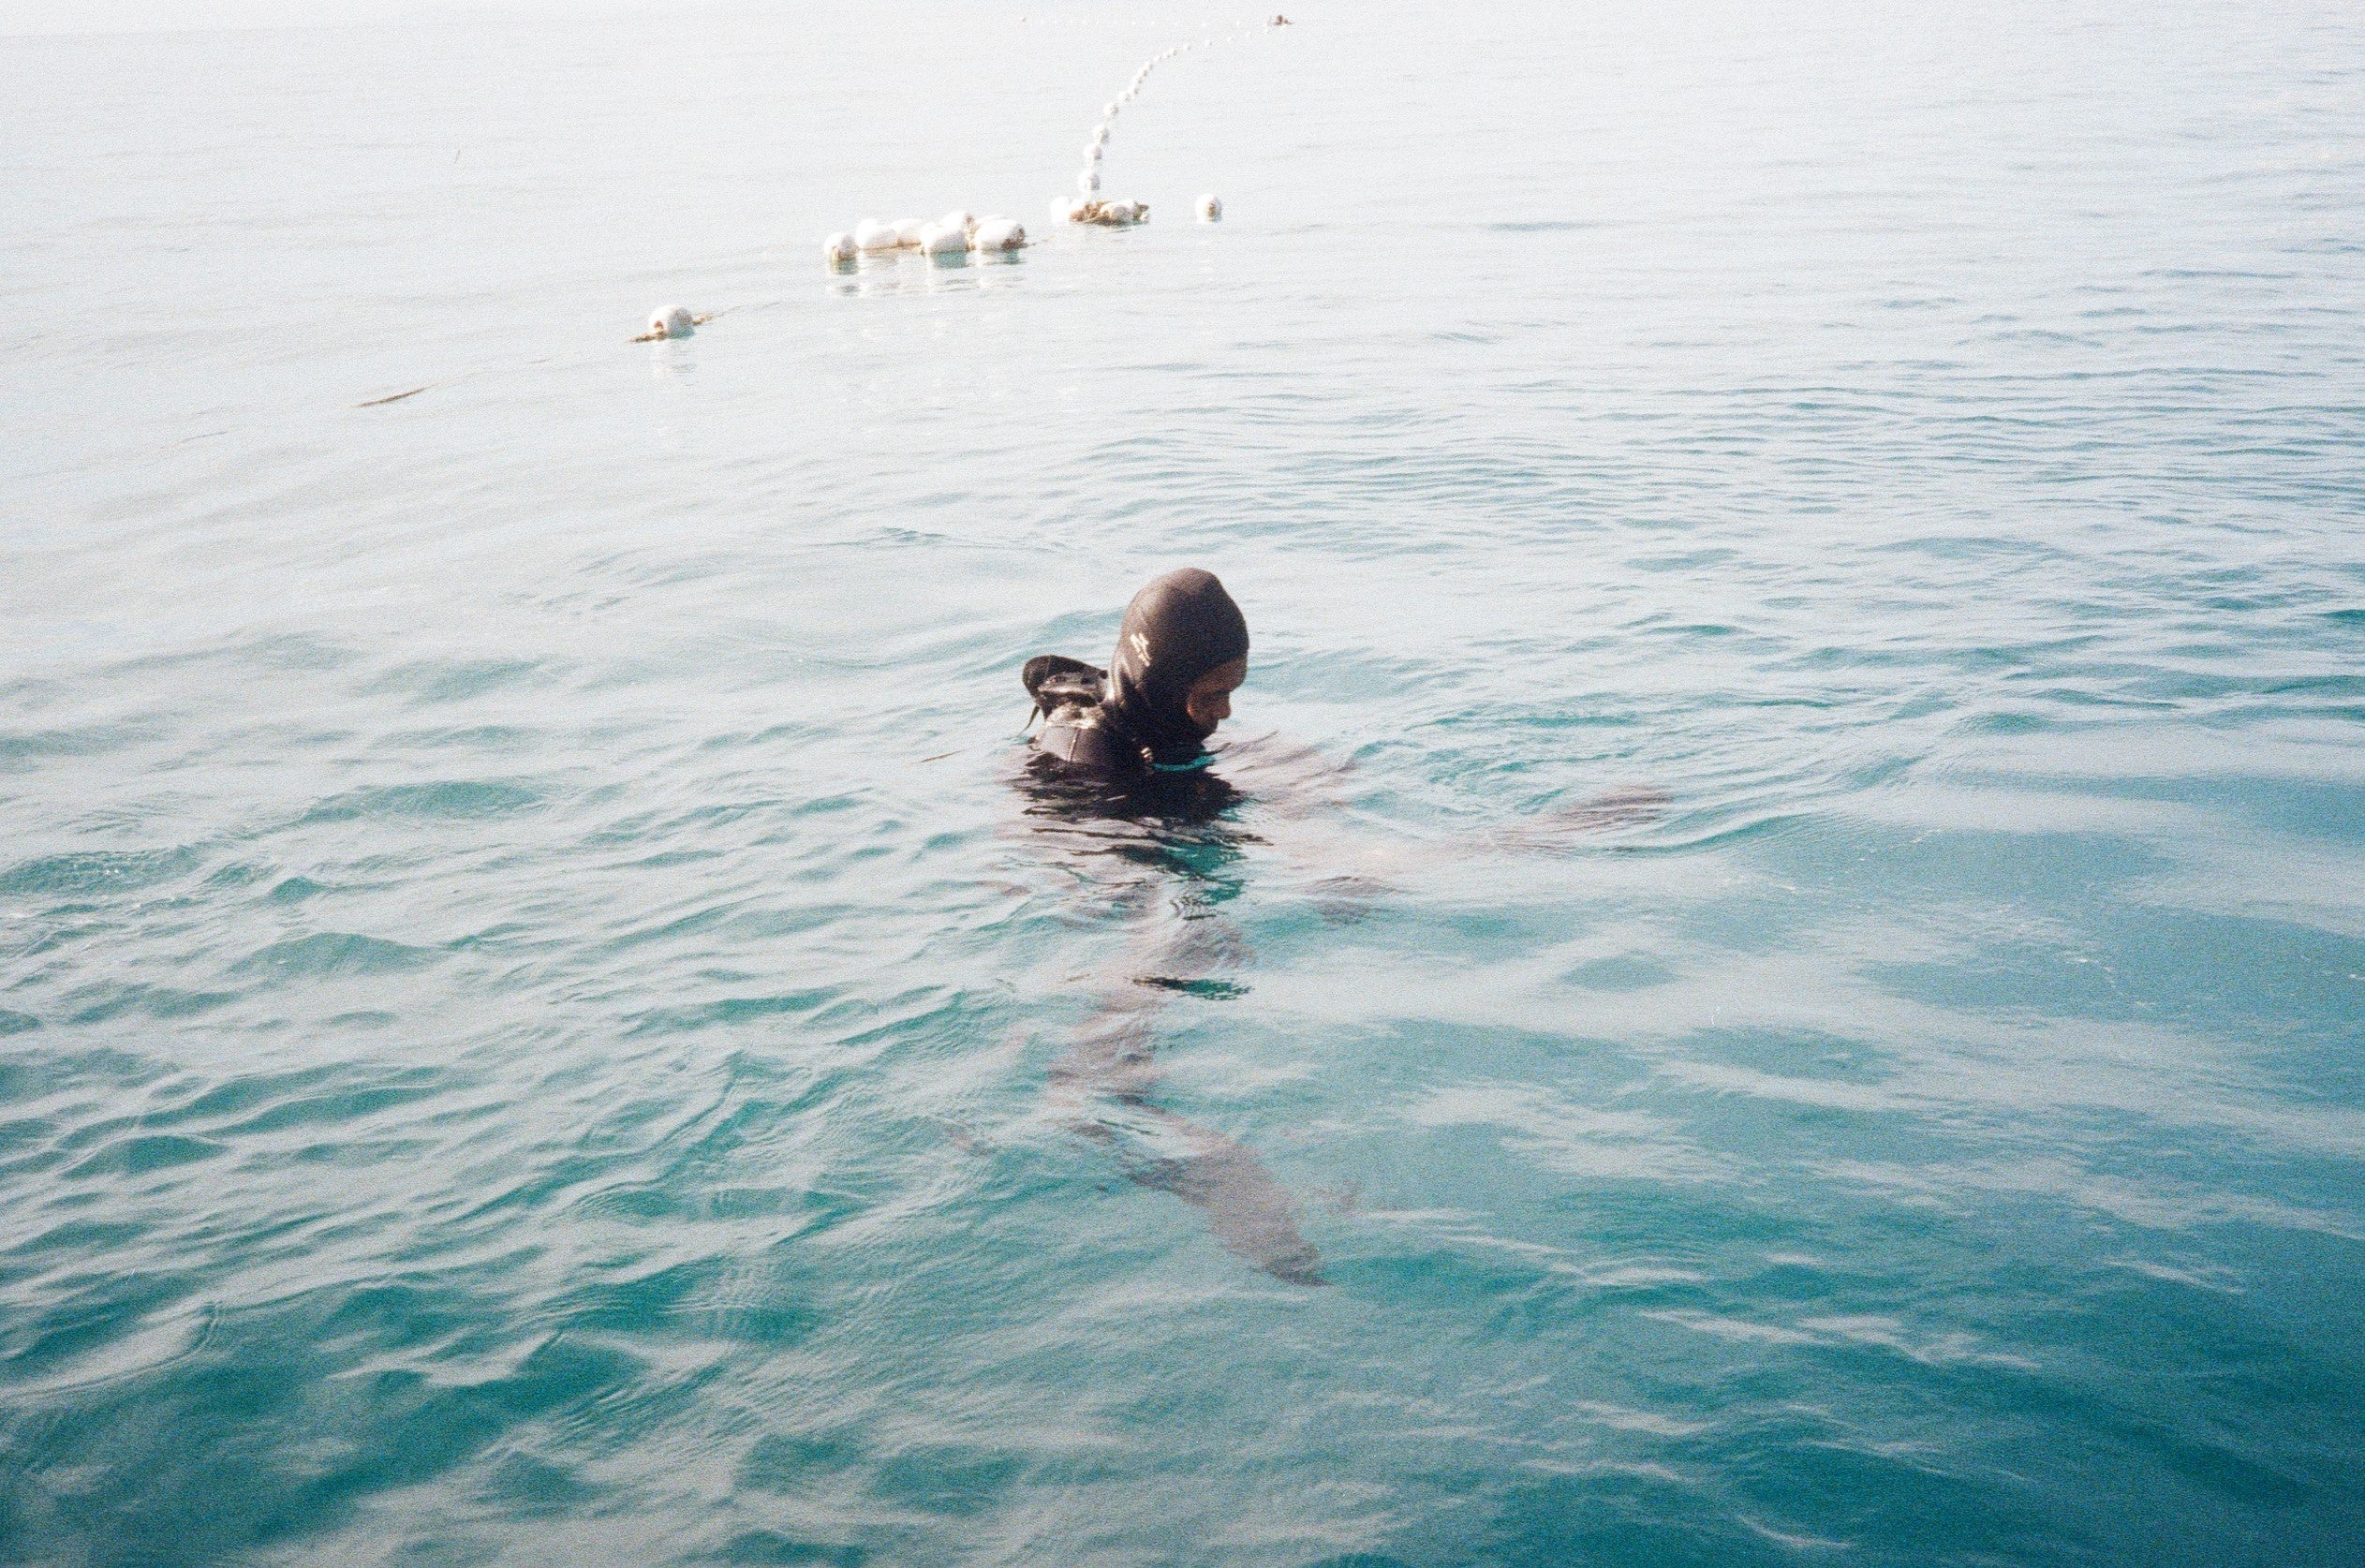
column 1170, row 850
column 1168, row 846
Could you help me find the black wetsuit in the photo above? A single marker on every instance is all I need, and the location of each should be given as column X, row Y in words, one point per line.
column 1078, row 730
column 1133, row 718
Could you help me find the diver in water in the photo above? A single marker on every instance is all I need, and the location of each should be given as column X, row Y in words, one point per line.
column 1121, row 768
column 1127, row 746
column 1180, row 655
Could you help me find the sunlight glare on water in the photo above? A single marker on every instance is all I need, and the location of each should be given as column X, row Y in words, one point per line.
column 542, row 1020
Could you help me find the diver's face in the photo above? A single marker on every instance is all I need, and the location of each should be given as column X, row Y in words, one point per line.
column 1209, row 702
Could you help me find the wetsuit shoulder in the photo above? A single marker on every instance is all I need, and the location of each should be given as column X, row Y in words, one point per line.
column 1082, row 738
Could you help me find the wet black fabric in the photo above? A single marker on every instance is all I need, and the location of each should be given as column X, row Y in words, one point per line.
column 1078, row 730
column 1177, row 629
column 1168, row 820
column 1133, row 715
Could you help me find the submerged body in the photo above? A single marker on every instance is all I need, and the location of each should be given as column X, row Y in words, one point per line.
column 1128, row 743
column 1120, row 774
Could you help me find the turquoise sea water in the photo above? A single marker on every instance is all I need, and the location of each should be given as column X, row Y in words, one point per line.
column 540, row 1022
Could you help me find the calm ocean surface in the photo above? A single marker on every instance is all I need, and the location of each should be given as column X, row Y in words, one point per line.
column 539, row 1024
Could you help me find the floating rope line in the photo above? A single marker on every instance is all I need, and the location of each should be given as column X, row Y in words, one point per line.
column 431, row 386
column 1089, row 205
column 961, row 232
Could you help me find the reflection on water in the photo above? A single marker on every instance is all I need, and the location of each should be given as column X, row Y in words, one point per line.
column 884, row 275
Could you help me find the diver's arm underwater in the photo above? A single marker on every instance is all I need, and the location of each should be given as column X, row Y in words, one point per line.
column 1182, row 651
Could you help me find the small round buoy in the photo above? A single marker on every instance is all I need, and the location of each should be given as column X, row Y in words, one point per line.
column 1210, row 208
column 962, row 220
column 942, row 239
column 839, row 249
column 672, row 321
column 998, row 233
column 1089, row 182
column 908, row 230
column 871, row 234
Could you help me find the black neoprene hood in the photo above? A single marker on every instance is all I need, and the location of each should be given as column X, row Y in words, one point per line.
column 1176, row 630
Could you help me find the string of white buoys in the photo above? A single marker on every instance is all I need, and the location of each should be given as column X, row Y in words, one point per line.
column 957, row 232
column 961, row 232
column 1089, row 205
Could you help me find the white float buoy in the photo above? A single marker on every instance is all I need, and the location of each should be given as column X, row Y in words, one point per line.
column 942, row 239
column 999, row 233
column 838, row 248
column 871, row 234
column 1108, row 110
column 1124, row 212
column 1210, row 208
column 1089, row 182
column 672, row 321
column 908, row 230
column 1092, row 153
column 960, row 218
column 1100, row 136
